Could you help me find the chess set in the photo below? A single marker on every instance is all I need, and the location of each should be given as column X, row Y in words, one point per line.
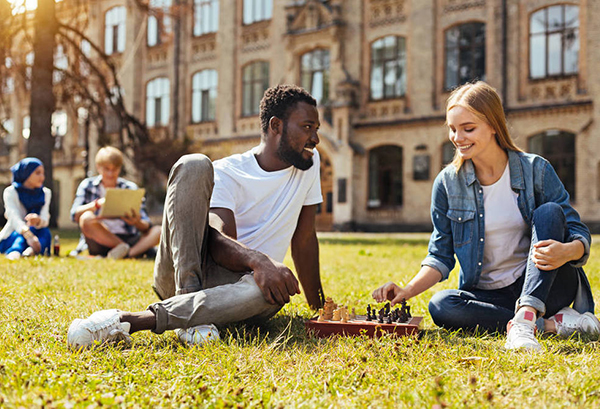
column 335, row 320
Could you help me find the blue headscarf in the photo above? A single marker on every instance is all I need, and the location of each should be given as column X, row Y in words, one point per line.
column 32, row 199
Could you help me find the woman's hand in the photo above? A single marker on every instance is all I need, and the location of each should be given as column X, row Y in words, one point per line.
column 390, row 292
column 549, row 255
column 33, row 220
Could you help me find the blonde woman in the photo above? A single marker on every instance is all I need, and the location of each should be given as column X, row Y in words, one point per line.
column 506, row 216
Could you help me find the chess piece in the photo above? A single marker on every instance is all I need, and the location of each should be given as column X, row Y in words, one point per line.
column 389, row 319
column 336, row 315
column 387, row 308
column 343, row 314
column 353, row 315
column 328, row 308
column 321, row 315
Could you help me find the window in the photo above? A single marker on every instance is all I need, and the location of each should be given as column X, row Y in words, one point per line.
column 83, row 126
column 6, row 131
column 206, row 16
column 26, row 127
column 59, row 128
column 114, row 30
column 314, row 74
column 465, row 54
column 255, row 81
column 385, row 176
column 8, row 83
column 388, row 68
column 159, row 22
column 86, row 49
column 61, row 64
column 204, row 95
column 554, row 41
column 29, row 58
column 257, row 10
column 157, row 102
column 447, row 153
column 559, row 148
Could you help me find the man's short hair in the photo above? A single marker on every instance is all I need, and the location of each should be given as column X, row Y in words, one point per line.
column 278, row 101
column 109, row 155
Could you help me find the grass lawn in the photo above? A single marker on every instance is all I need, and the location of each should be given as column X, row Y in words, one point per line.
column 277, row 364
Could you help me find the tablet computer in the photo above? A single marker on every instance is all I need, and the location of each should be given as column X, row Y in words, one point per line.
column 120, row 201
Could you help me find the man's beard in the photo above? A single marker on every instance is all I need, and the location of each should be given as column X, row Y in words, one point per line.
column 287, row 154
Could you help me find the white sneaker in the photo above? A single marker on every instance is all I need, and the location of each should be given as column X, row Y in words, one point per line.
column 100, row 327
column 568, row 321
column 198, row 335
column 521, row 332
column 119, row 251
column 13, row 255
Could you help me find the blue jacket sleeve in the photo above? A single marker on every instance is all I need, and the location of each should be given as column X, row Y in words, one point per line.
column 554, row 191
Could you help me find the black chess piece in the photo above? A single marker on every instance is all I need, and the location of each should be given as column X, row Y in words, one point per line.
column 389, row 319
column 380, row 320
column 408, row 314
column 387, row 308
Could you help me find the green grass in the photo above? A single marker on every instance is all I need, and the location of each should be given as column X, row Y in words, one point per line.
column 277, row 364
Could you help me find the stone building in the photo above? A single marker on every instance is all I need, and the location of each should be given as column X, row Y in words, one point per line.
column 381, row 71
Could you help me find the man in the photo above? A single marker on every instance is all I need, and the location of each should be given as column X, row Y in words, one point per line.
column 266, row 198
column 132, row 235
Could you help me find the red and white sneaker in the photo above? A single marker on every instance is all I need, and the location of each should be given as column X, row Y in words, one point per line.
column 521, row 332
column 568, row 321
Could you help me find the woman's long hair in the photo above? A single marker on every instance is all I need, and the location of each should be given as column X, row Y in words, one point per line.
column 484, row 102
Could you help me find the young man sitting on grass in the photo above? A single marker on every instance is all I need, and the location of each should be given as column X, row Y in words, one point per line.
column 130, row 236
column 226, row 229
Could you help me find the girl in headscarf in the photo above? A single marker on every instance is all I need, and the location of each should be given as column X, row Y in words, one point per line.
column 27, row 211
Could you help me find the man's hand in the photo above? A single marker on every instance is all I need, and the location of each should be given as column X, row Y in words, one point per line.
column 33, row 220
column 275, row 280
column 390, row 292
column 549, row 255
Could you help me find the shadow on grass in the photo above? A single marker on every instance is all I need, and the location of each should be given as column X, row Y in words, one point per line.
column 375, row 242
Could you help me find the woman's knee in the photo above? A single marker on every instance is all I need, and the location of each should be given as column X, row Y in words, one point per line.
column 442, row 307
column 548, row 212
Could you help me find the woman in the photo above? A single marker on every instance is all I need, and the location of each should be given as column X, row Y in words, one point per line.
column 27, row 211
column 506, row 216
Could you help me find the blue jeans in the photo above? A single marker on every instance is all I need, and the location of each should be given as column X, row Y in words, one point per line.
column 16, row 242
column 546, row 291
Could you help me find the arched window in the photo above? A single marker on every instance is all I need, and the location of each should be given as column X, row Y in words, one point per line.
column 559, row 148
column 206, row 17
column 388, row 68
column 554, row 41
column 159, row 22
column 385, row 176
column 314, row 73
column 255, row 81
column 257, row 10
column 465, row 54
column 114, row 30
column 8, row 83
column 204, row 95
column 447, row 153
column 157, row 102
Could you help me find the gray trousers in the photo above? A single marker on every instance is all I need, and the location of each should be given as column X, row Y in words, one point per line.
column 194, row 289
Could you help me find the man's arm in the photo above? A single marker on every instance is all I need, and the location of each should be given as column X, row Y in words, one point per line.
column 305, row 252
column 274, row 279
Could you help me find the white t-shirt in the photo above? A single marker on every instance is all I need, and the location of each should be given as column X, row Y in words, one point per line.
column 266, row 205
column 507, row 238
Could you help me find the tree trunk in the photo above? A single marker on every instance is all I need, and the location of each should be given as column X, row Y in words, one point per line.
column 41, row 142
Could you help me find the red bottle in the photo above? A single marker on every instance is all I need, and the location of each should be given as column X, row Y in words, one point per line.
column 56, row 251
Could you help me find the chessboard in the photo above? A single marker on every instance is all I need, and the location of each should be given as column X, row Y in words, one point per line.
column 334, row 320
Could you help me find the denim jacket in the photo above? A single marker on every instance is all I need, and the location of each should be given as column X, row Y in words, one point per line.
column 457, row 214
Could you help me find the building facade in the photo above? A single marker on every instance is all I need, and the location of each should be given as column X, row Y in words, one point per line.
column 381, row 71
